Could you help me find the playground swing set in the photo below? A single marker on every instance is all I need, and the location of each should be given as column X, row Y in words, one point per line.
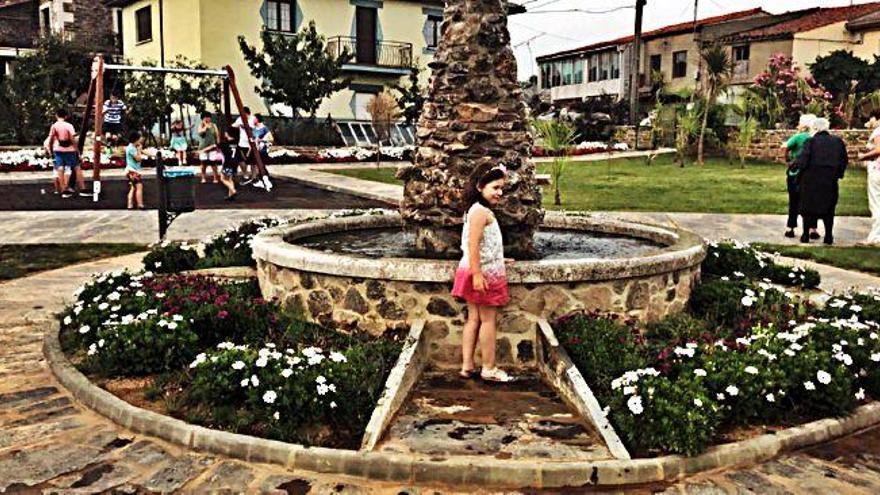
column 95, row 105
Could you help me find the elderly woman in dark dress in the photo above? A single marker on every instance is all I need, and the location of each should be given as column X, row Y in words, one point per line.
column 822, row 163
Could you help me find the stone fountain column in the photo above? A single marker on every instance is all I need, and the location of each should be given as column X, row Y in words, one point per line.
column 474, row 114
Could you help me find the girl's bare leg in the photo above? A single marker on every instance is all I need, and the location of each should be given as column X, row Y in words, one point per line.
column 131, row 196
column 214, row 173
column 469, row 338
column 139, row 195
column 204, row 168
column 487, row 335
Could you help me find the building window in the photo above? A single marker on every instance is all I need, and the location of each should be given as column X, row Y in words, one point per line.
column 432, row 31
column 144, row 24
column 615, row 65
column 679, row 64
column 280, row 16
column 656, row 63
column 45, row 21
column 604, row 66
column 578, row 71
column 741, row 53
column 545, row 76
column 593, row 68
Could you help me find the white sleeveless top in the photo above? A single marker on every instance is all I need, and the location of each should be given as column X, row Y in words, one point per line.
column 491, row 245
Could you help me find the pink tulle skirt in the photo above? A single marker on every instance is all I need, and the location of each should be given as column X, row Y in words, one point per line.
column 494, row 295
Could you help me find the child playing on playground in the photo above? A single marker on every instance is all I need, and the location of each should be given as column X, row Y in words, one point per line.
column 134, row 154
column 178, row 141
column 209, row 152
column 481, row 279
column 230, row 161
column 63, row 148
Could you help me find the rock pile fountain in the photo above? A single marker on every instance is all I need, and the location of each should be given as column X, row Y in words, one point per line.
column 474, row 114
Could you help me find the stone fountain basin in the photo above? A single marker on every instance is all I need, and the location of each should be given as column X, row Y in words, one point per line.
column 382, row 294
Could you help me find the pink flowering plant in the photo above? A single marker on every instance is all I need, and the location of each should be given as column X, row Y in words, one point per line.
column 783, row 93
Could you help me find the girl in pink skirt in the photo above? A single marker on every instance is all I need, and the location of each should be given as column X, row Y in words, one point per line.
column 480, row 278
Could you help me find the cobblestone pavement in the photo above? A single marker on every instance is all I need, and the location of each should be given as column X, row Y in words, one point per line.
column 51, row 444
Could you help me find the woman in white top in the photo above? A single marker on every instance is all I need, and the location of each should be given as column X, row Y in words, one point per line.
column 873, row 158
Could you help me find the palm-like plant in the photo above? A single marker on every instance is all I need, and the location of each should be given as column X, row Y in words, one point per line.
column 557, row 138
column 719, row 71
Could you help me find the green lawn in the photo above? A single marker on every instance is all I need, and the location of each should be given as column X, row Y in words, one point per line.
column 862, row 259
column 631, row 185
column 19, row 260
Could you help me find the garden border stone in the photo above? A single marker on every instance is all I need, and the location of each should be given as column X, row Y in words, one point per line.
column 560, row 371
column 486, row 472
column 412, row 360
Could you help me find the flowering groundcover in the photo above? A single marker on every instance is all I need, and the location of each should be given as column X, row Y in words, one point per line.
column 746, row 352
column 222, row 356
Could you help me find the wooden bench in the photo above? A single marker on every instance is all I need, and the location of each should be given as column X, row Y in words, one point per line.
column 542, row 179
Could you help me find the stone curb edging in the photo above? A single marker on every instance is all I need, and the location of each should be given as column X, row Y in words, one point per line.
column 557, row 367
column 479, row 471
column 410, row 364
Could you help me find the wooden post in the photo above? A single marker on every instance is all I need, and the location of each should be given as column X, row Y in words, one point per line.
column 227, row 107
column 244, row 122
column 99, row 127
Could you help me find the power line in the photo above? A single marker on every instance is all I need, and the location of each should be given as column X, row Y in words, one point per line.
column 544, row 32
column 581, row 11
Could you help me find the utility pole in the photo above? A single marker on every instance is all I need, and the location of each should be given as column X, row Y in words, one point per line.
column 635, row 64
column 698, row 80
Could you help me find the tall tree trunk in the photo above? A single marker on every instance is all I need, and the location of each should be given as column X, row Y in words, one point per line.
column 474, row 117
column 702, row 141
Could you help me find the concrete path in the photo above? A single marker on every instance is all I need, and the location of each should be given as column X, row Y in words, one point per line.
column 123, row 226
column 49, row 443
column 27, row 227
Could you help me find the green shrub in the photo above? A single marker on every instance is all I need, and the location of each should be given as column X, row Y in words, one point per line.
column 145, row 346
column 602, row 346
column 676, row 328
column 740, row 261
column 171, row 257
column 656, row 415
column 232, row 247
column 736, row 306
column 292, row 395
column 175, row 316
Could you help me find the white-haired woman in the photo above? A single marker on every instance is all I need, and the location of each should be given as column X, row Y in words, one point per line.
column 822, row 164
column 873, row 159
column 794, row 146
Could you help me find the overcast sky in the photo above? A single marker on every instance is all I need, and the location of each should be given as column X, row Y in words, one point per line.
column 535, row 34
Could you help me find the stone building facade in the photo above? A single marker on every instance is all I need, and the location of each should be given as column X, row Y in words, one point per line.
column 88, row 21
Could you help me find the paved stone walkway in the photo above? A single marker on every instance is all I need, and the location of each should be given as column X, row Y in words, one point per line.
column 51, row 444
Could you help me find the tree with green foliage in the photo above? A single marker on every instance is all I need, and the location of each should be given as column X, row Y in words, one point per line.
column 412, row 97
column 54, row 75
column 295, row 69
column 149, row 100
column 718, row 68
column 853, row 82
column 557, row 138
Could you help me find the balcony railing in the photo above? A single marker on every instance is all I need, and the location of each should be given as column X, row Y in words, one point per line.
column 391, row 54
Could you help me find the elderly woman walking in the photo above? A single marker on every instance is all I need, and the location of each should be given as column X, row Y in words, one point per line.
column 873, row 159
column 822, row 163
column 794, row 146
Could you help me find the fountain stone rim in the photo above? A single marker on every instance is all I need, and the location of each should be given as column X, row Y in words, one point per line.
column 683, row 249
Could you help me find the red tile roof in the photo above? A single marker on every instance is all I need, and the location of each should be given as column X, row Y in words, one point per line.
column 869, row 21
column 812, row 19
column 670, row 30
